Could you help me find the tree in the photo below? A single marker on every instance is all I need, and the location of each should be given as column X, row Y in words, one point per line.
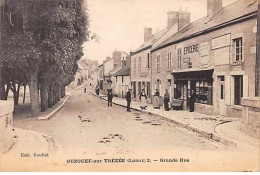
column 42, row 42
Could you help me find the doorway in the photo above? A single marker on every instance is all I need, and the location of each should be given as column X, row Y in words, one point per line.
column 238, row 89
column 221, row 96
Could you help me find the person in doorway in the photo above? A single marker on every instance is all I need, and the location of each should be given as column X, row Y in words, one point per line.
column 142, row 98
column 166, row 100
column 156, row 103
column 192, row 100
column 109, row 98
column 128, row 99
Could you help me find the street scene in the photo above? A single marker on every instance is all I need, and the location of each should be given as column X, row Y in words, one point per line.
column 108, row 86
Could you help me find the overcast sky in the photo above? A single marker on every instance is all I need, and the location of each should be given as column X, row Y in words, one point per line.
column 120, row 23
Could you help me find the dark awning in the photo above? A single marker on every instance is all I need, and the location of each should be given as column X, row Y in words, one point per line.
column 193, row 74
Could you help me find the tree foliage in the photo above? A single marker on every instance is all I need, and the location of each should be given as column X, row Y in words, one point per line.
column 42, row 40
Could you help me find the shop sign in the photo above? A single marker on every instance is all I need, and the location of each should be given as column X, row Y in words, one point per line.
column 221, row 41
column 191, row 49
column 204, row 49
column 253, row 50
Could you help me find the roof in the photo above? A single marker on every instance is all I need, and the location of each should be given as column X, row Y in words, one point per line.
column 126, row 71
column 152, row 40
column 225, row 15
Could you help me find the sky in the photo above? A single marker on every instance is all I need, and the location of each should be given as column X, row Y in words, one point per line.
column 120, row 24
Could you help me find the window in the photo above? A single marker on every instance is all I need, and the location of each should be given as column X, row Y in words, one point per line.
column 122, row 79
column 134, row 64
column 169, row 61
column 116, row 78
column 179, row 58
column 204, row 92
column 148, row 60
column 238, row 49
column 139, row 63
column 158, row 63
column 148, row 89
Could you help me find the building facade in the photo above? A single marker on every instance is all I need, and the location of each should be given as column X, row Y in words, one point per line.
column 214, row 56
column 122, row 78
column 143, row 62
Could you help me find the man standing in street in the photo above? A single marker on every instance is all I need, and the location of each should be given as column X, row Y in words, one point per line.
column 166, row 100
column 109, row 98
column 128, row 99
column 192, row 100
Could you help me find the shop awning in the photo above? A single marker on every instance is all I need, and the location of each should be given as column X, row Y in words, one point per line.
column 194, row 74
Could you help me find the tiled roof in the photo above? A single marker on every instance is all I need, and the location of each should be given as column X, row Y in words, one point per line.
column 152, row 40
column 224, row 15
column 126, row 71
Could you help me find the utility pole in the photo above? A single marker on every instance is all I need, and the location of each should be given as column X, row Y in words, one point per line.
column 257, row 63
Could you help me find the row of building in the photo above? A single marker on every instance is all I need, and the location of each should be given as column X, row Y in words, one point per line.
column 216, row 56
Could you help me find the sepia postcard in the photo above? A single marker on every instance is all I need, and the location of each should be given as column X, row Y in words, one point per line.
column 129, row 86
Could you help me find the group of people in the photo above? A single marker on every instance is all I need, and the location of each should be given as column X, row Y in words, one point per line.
column 166, row 100
column 156, row 101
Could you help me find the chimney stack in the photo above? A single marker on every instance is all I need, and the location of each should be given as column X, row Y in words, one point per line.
column 147, row 33
column 181, row 18
column 184, row 19
column 213, row 6
column 172, row 18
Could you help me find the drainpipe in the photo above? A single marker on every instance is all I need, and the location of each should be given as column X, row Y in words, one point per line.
column 257, row 65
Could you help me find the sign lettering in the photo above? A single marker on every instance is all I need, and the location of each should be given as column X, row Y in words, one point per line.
column 191, row 49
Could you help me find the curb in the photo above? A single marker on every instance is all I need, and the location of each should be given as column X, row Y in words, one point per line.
column 44, row 139
column 205, row 134
column 55, row 111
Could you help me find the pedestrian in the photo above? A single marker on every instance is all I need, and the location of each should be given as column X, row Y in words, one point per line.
column 192, row 100
column 85, row 90
column 166, row 100
column 142, row 98
column 128, row 99
column 97, row 90
column 109, row 98
column 156, row 102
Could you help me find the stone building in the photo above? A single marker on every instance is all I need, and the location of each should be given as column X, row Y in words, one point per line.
column 214, row 56
column 122, row 80
column 141, row 59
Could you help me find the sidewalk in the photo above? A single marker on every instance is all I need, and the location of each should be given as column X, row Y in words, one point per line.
column 219, row 128
column 28, row 141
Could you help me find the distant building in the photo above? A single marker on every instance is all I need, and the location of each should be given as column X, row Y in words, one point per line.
column 122, row 78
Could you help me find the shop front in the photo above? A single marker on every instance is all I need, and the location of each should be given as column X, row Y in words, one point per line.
column 201, row 82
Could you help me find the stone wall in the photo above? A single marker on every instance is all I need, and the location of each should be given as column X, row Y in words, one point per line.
column 6, row 125
column 251, row 116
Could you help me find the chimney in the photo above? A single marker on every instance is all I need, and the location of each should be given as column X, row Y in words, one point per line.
column 184, row 19
column 147, row 34
column 213, row 6
column 172, row 18
column 181, row 18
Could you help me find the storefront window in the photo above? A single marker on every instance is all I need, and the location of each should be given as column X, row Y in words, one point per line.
column 204, row 92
